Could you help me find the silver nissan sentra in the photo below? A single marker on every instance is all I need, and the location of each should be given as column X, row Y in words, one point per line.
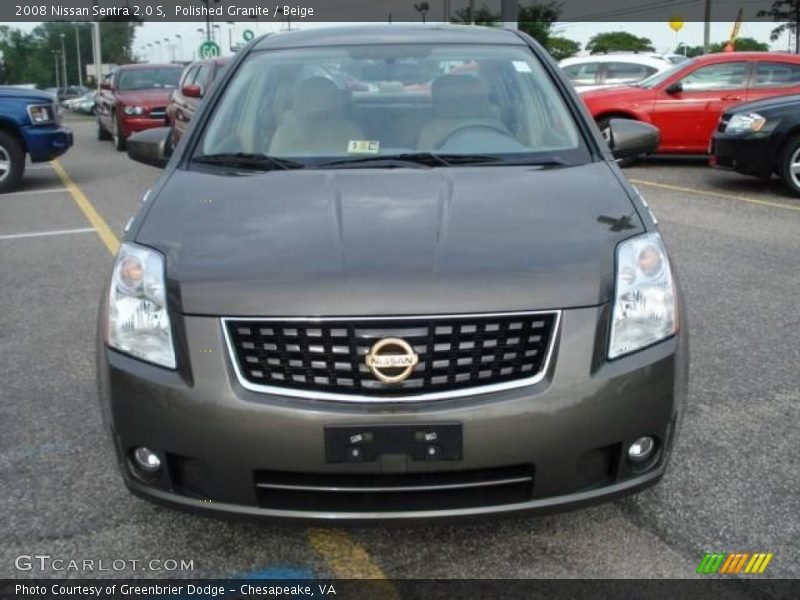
column 392, row 272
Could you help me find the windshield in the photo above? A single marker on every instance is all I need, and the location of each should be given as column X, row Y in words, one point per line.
column 144, row 79
column 654, row 80
column 368, row 102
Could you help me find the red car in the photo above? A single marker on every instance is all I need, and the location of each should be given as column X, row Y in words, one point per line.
column 185, row 100
column 686, row 102
column 134, row 98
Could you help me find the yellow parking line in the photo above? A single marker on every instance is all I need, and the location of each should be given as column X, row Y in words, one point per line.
column 721, row 195
column 99, row 224
column 349, row 560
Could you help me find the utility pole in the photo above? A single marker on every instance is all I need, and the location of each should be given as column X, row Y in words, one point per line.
column 78, row 53
column 707, row 27
column 509, row 14
column 472, row 12
column 446, row 11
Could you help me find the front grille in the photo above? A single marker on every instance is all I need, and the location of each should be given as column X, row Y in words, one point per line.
column 159, row 112
column 394, row 493
column 328, row 356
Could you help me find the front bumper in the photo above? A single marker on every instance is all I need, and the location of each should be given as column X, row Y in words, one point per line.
column 219, row 440
column 132, row 124
column 747, row 153
column 46, row 142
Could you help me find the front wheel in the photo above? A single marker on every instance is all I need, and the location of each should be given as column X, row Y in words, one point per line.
column 789, row 165
column 604, row 125
column 119, row 138
column 12, row 162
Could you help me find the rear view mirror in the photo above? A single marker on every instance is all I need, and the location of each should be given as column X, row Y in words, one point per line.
column 152, row 147
column 192, row 91
column 630, row 139
column 674, row 88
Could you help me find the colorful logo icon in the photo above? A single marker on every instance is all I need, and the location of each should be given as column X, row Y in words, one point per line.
column 734, row 563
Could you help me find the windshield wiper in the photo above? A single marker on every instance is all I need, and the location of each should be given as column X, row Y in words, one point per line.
column 248, row 160
column 415, row 159
column 430, row 159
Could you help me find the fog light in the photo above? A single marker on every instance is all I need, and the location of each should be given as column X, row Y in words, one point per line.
column 147, row 460
column 641, row 449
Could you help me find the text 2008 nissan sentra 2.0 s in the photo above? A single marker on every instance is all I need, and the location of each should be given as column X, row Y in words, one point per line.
column 392, row 272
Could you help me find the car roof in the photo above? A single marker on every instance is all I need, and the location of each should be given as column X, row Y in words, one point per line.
column 351, row 35
column 736, row 56
column 148, row 66
column 626, row 57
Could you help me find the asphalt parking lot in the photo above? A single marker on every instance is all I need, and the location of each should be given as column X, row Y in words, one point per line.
column 733, row 486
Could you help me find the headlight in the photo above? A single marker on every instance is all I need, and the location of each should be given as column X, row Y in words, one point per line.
column 134, row 110
column 645, row 304
column 41, row 114
column 138, row 321
column 746, row 122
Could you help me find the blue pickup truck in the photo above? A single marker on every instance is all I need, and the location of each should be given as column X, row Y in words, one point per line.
column 29, row 124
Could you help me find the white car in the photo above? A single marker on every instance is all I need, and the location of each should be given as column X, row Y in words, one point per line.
column 609, row 70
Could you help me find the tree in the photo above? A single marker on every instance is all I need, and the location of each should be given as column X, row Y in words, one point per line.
column 561, row 48
column 482, row 16
column 788, row 13
column 30, row 58
column 614, row 41
column 745, row 44
column 535, row 19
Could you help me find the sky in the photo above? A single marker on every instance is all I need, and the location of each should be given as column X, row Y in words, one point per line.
column 664, row 39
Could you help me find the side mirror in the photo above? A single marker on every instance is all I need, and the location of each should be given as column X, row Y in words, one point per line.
column 674, row 88
column 630, row 139
column 152, row 147
column 192, row 91
column 105, row 85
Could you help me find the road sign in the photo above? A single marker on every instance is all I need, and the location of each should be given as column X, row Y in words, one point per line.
column 208, row 50
column 248, row 35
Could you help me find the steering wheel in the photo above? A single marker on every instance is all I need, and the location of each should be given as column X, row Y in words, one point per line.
column 467, row 126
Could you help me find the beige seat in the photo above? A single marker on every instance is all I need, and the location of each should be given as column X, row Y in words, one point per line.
column 316, row 123
column 458, row 101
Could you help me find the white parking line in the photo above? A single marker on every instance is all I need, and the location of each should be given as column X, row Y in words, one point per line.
column 15, row 236
column 60, row 190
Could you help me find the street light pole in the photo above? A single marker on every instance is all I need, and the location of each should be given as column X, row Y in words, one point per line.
column 170, row 50
column 78, row 53
column 64, row 58
column 57, row 69
column 179, row 37
column 97, row 54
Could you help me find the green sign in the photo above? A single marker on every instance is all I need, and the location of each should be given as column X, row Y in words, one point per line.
column 208, row 50
column 248, row 35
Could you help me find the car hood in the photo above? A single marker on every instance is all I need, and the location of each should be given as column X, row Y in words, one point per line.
column 390, row 242
column 149, row 97
column 776, row 103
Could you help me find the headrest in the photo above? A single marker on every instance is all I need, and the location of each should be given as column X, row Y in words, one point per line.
column 315, row 95
column 460, row 96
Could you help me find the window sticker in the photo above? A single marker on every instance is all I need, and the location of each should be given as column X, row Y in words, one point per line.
column 521, row 66
column 363, row 147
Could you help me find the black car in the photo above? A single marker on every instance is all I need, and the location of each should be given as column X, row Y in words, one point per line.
column 433, row 295
column 761, row 138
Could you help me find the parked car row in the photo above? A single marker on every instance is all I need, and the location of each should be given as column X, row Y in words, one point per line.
column 739, row 107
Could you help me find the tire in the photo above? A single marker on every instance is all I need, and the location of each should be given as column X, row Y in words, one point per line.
column 789, row 165
column 12, row 162
column 116, row 134
column 102, row 134
column 603, row 124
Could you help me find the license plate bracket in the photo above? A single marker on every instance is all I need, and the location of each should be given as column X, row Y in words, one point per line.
column 367, row 443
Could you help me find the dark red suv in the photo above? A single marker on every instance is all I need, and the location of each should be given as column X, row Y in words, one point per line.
column 134, row 98
column 196, row 80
